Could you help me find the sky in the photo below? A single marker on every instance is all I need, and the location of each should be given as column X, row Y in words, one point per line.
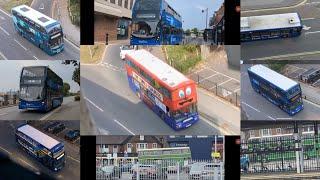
column 10, row 73
column 191, row 11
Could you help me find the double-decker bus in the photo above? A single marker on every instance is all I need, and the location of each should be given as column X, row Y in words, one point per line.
column 278, row 89
column 44, row 148
column 270, row 26
column 155, row 22
column 41, row 30
column 40, row 89
column 170, row 94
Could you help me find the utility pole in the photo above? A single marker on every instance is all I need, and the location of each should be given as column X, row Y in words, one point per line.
column 206, row 16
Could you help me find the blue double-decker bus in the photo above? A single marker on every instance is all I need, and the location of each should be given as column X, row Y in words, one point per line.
column 155, row 22
column 41, row 30
column 44, row 148
column 272, row 26
column 278, row 89
column 40, row 89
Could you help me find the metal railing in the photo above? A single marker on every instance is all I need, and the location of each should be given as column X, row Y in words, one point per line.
column 295, row 153
column 213, row 87
column 161, row 169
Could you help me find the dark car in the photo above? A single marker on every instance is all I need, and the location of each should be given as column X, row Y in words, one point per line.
column 58, row 128
column 72, row 135
column 50, row 126
column 110, row 172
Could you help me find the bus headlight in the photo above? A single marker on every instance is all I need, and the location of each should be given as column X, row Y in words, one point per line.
column 178, row 125
column 181, row 94
column 188, row 91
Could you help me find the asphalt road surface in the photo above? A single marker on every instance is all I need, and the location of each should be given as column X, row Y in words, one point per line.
column 257, row 107
column 305, row 46
column 69, row 110
column 15, row 47
column 9, row 146
column 116, row 110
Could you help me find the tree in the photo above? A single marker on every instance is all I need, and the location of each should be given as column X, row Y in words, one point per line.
column 188, row 32
column 76, row 75
column 65, row 89
column 195, row 31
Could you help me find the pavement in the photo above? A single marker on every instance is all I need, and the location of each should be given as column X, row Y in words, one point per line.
column 69, row 110
column 61, row 13
column 9, row 146
column 294, row 176
column 261, row 4
column 23, row 49
column 258, row 108
column 108, row 95
column 299, row 48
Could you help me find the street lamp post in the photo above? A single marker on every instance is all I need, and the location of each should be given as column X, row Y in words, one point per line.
column 206, row 16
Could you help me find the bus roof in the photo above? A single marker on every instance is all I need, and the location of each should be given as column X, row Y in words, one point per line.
column 158, row 68
column 38, row 136
column 273, row 77
column 34, row 15
column 274, row 21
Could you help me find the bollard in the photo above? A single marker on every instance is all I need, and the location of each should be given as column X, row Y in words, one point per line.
column 107, row 38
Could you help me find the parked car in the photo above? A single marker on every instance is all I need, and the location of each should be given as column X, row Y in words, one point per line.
column 202, row 170
column 124, row 50
column 110, row 172
column 72, row 135
column 150, row 172
column 58, row 128
column 196, row 169
column 125, row 167
column 50, row 126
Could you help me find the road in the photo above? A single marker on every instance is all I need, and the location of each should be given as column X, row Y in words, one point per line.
column 306, row 46
column 9, row 146
column 15, row 47
column 69, row 110
column 257, row 107
column 116, row 110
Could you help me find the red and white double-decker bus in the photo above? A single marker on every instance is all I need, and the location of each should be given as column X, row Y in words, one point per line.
column 170, row 94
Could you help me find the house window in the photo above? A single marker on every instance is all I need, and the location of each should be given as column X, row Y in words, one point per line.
column 141, row 146
column 126, row 4
column 120, row 3
column 113, row 1
column 154, row 145
column 278, row 130
column 251, row 134
column 115, row 149
column 129, row 145
column 265, row 132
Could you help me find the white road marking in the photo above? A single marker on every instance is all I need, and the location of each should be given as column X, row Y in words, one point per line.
column 3, row 114
column 225, row 132
column 29, row 164
column 35, row 58
column 312, row 32
column 284, row 118
column 4, row 57
column 2, row 18
column 5, row 150
column 305, row 19
column 103, row 131
column 317, row 105
column 207, row 77
column 41, row 6
column 20, row 44
column 271, row 118
column 49, row 114
column 224, row 75
column 74, row 159
column 312, row 3
column 236, row 90
column 250, row 106
column 123, row 127
column 4, row 12
column 225, row 82
column 93, row 104
column 273, row 9
column 288, row 55
column 6, row 32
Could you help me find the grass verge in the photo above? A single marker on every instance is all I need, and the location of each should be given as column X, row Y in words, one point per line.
column 91, row 54
column 9, row 4
column 183, row 58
